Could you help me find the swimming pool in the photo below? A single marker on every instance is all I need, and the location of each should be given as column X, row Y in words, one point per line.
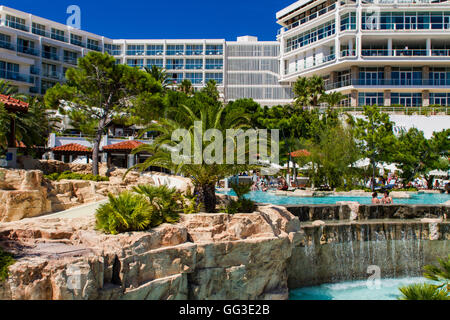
column 385, row 289
column 267, row 197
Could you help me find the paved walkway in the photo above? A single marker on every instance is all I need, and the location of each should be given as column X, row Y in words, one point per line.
column 78, row 212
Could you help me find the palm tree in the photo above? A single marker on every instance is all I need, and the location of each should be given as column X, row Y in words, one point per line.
column 429, row 291
column 333, row 99
column 316, row 88
column 204, row 175
column 211, row 90
column 159, row 74
column 186, row 87
column 301, row 91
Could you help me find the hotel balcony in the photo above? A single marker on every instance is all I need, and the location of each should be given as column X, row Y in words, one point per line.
column 52, row 75
column 16, row 76
column 28, row 50
column 50, row 56
column 7, row 45
column 15, row 25
column 70, row 60
column 402, row 53
column 389, row 83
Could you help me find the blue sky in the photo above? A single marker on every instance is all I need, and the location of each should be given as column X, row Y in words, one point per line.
column 165, row 19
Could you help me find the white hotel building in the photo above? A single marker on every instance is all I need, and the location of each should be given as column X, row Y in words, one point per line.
column 35, row 54
column 385, row 52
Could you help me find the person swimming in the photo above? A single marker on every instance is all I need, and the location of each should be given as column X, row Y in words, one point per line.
column 387, row 199
column 375, row 199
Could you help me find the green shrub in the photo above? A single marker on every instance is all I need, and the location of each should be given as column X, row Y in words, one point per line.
column 242, row 205
column 68, row 175
column 166, row 203
column 6, row 260
column 127, row 212
column 190, row 203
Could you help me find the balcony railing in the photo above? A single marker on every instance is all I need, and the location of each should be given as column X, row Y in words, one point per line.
column 28, row 50
column 348, row 53
column 94, row 47
column 16, row 25
column 313, row 64
column 35, row 71
column 194, row 66
column 52, row 75
column 194, row 52
column 71, row 60
column 16, row 76
column 214, row 52
column 59, row 37
column 389, row 83
column 135, row 53
column 7, row 45
column 50, row 56
column 155, row 52
column 405, row 53
column 308, row 18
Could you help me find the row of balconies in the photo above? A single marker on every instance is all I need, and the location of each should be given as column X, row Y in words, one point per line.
column 442, row 83
column 51, row 35
column 170, row 53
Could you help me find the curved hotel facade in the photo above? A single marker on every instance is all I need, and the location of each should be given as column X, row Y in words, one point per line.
column 386, row 52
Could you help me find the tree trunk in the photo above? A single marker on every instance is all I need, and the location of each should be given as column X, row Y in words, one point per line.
column 95, row 153
column 207, row 196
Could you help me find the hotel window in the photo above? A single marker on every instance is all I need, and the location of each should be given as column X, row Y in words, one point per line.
column 58, row 35
column 195, row 78
column 70, row 57
column 217, row 77
column 38, row 29
column 49, row 71
column 194, row 64
column 214, row 64
column 175, row 50
column 45, row 85
column 440, row 76
column 311, row 36
column 176, row 77
column 370, row 98
column 155, row 62
column 135, row 50
column 93, row 45
column 406, row 99
column 16, row 23
column 348, row 21
column 442, row 99
column 135, row 63
column 371, row 76
column 49, row 52
column 155, row 50
column 406, row 76
column 174, row 64
column 214, row 49
column 76, row 40
column 5, row 42
column 9, row 70
column 26, row 46
column 113, row 49
column 194, row 49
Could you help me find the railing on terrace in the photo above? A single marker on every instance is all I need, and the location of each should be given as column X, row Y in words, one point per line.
column 389, row 82
column 7, row 45
column 94, row 47
column 429, row 111
column 406, row 53
column 403, row 2
column 348, row 53
column 135, row 53
column 78, row 43
column 308, row 18
column 28, row 50
column 52, row 74
column 71, row 60
column 313, row 64
column 50, row 56
column 59, row 37
column 194, row 52
column 378, row 26
column 16, row 25
column 34, row 70
column 16, row 76
column 211, row 52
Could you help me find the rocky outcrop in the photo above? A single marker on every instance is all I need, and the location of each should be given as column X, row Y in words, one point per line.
column 26, row 194
column 205, row 256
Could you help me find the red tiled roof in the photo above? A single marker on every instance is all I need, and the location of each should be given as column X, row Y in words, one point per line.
column 123, row 146
column 13, row 104
column 300, row 153
column 72, row 147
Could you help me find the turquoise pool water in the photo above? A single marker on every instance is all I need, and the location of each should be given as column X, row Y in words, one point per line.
column 267, row 197
column 386, row 289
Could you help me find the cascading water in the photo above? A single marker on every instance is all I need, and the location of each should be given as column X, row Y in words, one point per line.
column 343, row 251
